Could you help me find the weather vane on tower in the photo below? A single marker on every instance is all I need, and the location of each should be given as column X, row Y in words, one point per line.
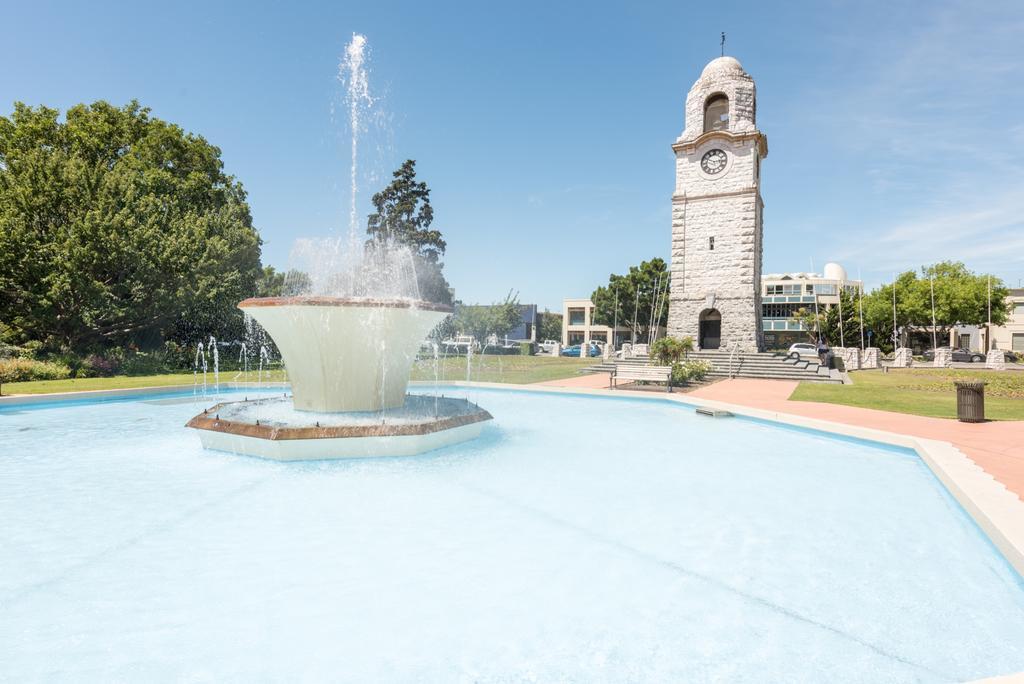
column 723, row 43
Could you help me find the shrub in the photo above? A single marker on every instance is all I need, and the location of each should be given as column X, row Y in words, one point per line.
column 95, row 365
column 174, row 356
column 23, row 370
column 688, row 371
column 8, row 351
column 671, row 350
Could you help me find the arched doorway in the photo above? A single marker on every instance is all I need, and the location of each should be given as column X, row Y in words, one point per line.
column 710, row 335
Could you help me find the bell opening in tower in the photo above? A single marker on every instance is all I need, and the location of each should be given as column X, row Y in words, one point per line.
column 716, row 113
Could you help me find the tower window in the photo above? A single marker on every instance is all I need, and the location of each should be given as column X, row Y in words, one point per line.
column 716, row 113
column 711, row 243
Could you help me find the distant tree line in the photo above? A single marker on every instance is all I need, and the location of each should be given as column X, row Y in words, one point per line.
column 639, row 299
column 960, row 297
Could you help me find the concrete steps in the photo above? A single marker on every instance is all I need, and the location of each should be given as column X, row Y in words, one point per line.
column 766, row 365
column 763, row 365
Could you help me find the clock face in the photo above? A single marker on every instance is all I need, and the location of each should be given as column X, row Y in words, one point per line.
column 713, row 162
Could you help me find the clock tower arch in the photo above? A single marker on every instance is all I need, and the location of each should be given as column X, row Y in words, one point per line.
column 717, row 213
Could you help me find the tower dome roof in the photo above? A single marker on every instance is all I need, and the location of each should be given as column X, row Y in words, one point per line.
column 722, row 66
column 722, row 76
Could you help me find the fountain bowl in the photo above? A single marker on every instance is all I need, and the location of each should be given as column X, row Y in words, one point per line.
column 348, row 361
column 346, row 353
column 271, row 428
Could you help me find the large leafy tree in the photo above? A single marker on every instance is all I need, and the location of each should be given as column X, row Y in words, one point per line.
column 116, row 228
column 403, row 215
column 630, row 299
column 961, row 298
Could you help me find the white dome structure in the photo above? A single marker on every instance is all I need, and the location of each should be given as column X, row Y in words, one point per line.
column 722, row 65
column 834, row 271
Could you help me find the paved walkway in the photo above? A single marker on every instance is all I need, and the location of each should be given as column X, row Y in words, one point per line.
column 998, row 447
column 585, row 381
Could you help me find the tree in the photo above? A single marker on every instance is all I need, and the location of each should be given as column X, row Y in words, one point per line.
column 550, row 327
column 404, row 216
column 619, row 300
column 878, row 310
column 961, row 298
column 273, row 283
column 483, row 320
column 115, row 227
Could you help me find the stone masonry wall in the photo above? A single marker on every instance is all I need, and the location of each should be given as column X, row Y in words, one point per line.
column 729, row 273
column 995, row 360
column 850, row 357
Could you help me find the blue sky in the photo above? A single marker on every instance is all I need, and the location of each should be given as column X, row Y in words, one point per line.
column 896, row 129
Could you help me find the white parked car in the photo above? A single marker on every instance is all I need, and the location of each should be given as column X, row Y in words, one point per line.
column 460, row 344
column 547, row 347
column 804, row 349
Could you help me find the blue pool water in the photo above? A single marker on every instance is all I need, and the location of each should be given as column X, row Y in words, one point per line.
column 579, row 539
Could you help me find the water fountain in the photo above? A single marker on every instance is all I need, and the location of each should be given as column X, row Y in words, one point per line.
column 349, row 342
column 349, row 388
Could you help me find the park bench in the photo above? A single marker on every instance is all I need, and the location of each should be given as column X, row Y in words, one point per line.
column 642, row 374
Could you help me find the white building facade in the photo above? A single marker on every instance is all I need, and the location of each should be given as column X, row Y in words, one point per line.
column 578, row 326
column 783, row 294
column 717, row 213
column 1010, row 337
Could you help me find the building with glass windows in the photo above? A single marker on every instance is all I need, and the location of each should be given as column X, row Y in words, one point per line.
column 783, row 294
column 578, row 326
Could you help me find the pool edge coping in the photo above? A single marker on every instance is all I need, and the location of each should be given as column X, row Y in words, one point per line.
column 996, row 510
column 124, row 393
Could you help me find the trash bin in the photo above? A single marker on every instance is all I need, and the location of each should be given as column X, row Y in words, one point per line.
column 970, row 402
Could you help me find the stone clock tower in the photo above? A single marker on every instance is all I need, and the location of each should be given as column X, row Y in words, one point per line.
column 716, row 213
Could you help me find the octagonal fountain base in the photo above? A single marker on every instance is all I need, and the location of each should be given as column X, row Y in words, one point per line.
column 272, row 428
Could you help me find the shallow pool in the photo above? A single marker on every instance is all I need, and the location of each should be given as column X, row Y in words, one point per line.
column 579, row 539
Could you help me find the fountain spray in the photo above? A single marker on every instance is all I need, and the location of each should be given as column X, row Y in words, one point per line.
column 352, row 72
column 348, row 332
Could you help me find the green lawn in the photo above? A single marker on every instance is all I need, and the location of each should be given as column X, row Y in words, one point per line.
column 512, row 369
column 122, row 382
column 922, row 392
